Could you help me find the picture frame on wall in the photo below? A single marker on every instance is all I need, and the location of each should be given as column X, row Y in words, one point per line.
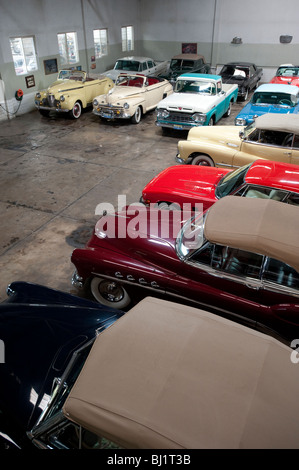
column 50, row 66
column 30, row 82
column 189, row 48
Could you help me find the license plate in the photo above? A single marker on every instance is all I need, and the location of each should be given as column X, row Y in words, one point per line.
column 177, row 127
column 107, row 115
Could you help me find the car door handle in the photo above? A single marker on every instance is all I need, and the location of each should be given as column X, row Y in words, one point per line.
column 252, row 286
column 287, row 153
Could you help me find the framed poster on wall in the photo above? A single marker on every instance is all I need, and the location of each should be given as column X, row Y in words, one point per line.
column 50, row 66
column 189, row 48
column 30, row 82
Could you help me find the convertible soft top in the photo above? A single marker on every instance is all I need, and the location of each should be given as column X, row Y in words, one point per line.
column 263, row 226
column 170, row 376
column 278, row 122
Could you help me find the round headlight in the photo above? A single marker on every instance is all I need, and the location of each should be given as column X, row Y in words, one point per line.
column 240, row 122
column 126, row 105
column 95, row 102
column 62, row 98
column 198, row 117
column 163, row 113
column 38, row 95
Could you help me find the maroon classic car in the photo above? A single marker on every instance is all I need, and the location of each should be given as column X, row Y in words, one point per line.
column 239, row 259
column 191, row 184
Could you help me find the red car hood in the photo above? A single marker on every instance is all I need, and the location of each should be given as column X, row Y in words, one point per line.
column 193, row 181
column 145, row 235
column 285, row 81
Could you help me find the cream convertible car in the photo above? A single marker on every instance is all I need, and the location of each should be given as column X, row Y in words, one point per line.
column 132, row 96
column 270, row 136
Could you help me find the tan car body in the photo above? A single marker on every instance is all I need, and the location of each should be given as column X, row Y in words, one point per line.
column 233, row 146
column 71, row 93
column 132, row 96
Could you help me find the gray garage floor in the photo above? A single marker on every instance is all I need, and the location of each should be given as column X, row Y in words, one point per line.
column 54, row 172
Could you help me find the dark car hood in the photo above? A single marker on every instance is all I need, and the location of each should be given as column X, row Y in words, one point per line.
column 147, row 235
column 39, row 338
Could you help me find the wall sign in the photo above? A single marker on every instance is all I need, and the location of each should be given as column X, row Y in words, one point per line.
column 30, row 81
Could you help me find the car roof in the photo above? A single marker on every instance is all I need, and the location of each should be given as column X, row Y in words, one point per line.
column 263, row 226
column 278, row 122
column 243, row 64
column 171, row 376
column 278, row 88
column 274, row 175
column 188, row 56
column 137, row 58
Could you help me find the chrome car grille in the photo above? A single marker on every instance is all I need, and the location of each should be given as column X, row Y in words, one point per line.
column 179, row 117
column 51, row 100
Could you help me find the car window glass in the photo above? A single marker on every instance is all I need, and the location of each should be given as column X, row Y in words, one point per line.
column 265, row 193
column 283, row 99
column 150, row 64
column 230, row 182
column 281, row 273
column 275, row 138
column 296, row 141
column 293, row 199
column 230, row 260
column 253, row 136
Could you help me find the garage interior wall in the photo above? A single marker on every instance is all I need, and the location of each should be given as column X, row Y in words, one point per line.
column 160, row 28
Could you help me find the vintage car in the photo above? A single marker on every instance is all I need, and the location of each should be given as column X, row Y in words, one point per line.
column 269, row 98
column 70, row 93
column 47, row 335
column 132, row 96
column 247, row 266
column 245, row 74
column 186, row 63
column 167, row 376
column 144, row 65
column 198, row 100
column 270, row 136
column 287, row 74
column 181, row 184
column 89, row 377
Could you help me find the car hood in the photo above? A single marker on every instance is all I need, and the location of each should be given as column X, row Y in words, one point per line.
column 286, row 80
column 222, row 135
column 250, row 111
column 185, row 180
column 140, row 233
column 64, row 85
column 189, row 102
column 39, row 337
column 120, row 93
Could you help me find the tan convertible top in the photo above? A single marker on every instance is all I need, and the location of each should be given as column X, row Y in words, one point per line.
column 278, row 122
column 170, row 376
column 262, row 226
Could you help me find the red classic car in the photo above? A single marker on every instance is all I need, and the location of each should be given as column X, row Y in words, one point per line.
column 287, row 74
column 202, row 184
column 239, row 259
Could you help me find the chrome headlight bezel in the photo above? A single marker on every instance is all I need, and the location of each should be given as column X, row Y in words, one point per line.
column 62, row 98
column 126, row 106
column 95, row 102
column 162, row 113
column 38, row 95
column 199, row 117
column 240, row 122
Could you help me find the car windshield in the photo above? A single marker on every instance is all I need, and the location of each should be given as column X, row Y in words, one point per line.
column 231, row 181
column 129, row 80
column 235, row 71
column 248, row 130
column 190, row 237
column 204, row 87
column 267, row 97
column 132, row 65
column 287, row 72
column 71, row 75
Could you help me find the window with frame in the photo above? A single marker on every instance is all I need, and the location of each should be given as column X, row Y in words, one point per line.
column 100, row 40
column 23, row 54
column 127, row 38
column 68, row 48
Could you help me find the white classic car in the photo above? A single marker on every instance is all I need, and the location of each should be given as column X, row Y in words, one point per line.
column 144, row 65
column 132, row 96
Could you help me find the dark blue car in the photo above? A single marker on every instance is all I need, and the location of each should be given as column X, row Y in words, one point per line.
column 269, row 98
column 45, row 337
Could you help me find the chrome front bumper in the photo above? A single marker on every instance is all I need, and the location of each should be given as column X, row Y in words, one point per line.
column 77, row 280
column 52, row 108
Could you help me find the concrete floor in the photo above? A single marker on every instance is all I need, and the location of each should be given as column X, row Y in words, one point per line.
column 53, row 173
